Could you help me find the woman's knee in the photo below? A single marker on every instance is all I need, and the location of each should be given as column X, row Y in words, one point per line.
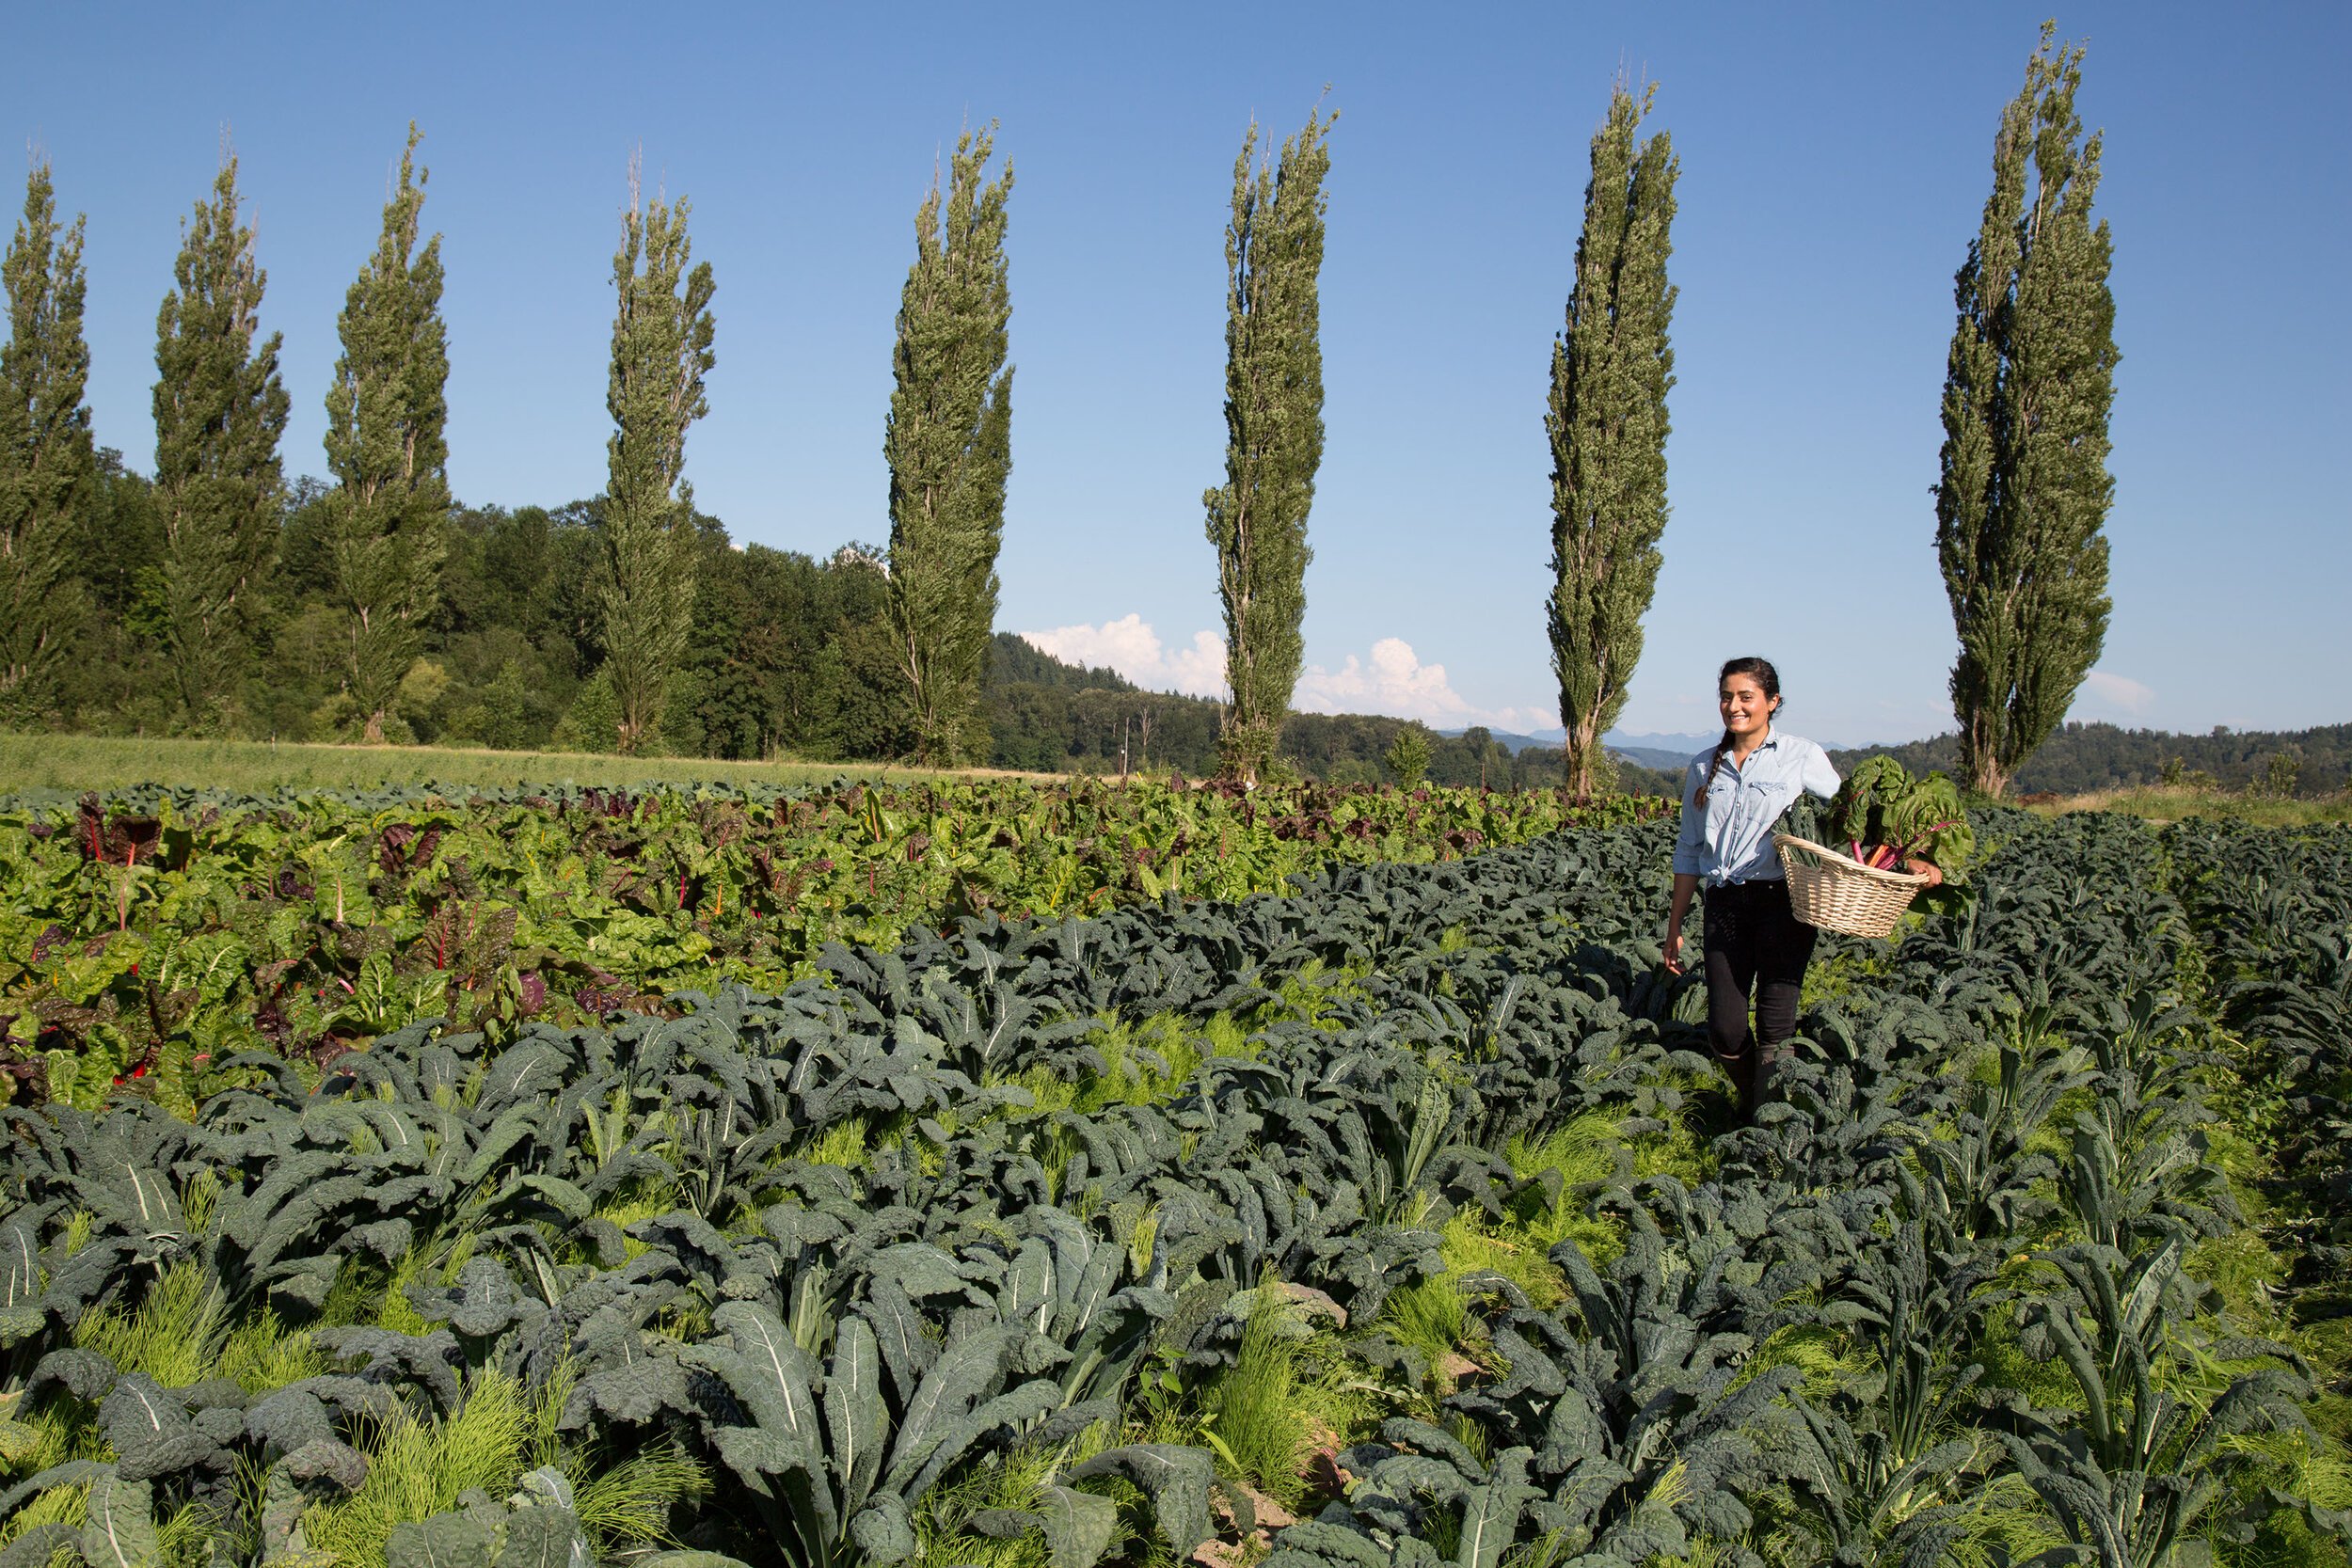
column 1726, row 1023
column 1776, row 1010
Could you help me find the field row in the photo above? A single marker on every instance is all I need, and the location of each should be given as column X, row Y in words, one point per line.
column 148, row 935
column 1384, row 1223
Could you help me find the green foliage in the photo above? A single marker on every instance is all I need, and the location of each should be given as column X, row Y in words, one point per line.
column 1052, row 717
column 1407, row 756
column 385, row 445
column 219, row 412
column 2024, row 488
column 948, row 441
column 47, row 468
column 1273, row 434
column 419, row 1468
column 153, row 945
column 592, row 722
column 1428, row 1318
column 1880, row 804
column 181, row 1332
column 662, row 332
column 1606, row 415
column 1249, row 1413
column 962, row 1247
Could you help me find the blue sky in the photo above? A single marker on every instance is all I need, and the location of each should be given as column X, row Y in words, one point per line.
column 1834, row 160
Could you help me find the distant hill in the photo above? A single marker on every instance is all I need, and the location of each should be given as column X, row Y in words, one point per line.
column 1661, row 754
column 1054, row 717
column 2078, row 758
column 1679, row 747
column 1651, row 757
column 1509, row 741
column 1675, row 749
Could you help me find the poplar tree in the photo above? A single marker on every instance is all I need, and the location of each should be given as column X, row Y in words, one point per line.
column 948, row 439
column 1273, row 432
column 1610, row 369
column 385, row 415
column 662, row 334
column 2024, row 491
column 47, row 466
column 219, row 412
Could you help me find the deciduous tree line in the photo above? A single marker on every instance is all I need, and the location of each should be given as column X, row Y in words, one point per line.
column 215, row 598
column 218, row 598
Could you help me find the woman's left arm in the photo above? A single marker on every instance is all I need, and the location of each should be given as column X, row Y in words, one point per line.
column 1820, row 778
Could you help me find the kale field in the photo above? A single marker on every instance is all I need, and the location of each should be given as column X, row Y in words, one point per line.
column 1050, row 1178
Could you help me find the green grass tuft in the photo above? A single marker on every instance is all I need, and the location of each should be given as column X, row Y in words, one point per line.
column 420, row 1467
column 843, row 1144
column 1250, row 1414
column 1428, row 1316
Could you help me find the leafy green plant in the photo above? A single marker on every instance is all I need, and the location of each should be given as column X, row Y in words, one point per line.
column 1407, row 756
column 1885, row 816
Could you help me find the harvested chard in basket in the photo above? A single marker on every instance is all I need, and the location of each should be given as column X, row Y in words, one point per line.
column 1888, row 818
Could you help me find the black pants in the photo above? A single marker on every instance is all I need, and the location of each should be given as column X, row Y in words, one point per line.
column 1755, row 944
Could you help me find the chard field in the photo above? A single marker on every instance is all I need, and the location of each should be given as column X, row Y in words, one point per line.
column 1044, row 1177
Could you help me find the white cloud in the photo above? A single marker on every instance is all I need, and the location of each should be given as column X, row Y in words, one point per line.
column 1130, row 646
column 1390, row 680
column 2118, row 691
column 1394, row 681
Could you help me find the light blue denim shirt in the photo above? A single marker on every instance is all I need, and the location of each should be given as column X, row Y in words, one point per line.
column 1730, row 838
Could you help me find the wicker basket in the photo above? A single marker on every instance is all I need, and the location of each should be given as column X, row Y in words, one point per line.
column 1838, row 892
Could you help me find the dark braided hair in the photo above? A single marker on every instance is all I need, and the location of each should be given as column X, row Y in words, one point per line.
column 1761, row 671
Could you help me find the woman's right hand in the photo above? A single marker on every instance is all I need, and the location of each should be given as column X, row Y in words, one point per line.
column 1674, row 948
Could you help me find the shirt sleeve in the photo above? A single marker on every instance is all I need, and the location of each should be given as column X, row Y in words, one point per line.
column 1820, row 778
column 1694, row 825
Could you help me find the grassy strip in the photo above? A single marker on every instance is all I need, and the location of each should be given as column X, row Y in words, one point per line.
column 2178, row 802
column 72, row 764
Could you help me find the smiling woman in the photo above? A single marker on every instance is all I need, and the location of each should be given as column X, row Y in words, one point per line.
column 1753, row 943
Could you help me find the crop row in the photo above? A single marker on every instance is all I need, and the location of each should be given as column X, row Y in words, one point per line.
column 985, row 1248
column 2273, row 914
column 498, row 1170
column 173, row 927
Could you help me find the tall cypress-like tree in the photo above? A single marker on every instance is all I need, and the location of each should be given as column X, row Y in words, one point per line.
column 661, row 349
column 47, row 466
column 948, row 439
column 219, row 412
column 385, row 418
column 2023, row 497
column 1610, row 369
column 1273, row 432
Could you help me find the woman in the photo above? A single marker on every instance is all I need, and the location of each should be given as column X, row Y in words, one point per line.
column 1731, row 797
